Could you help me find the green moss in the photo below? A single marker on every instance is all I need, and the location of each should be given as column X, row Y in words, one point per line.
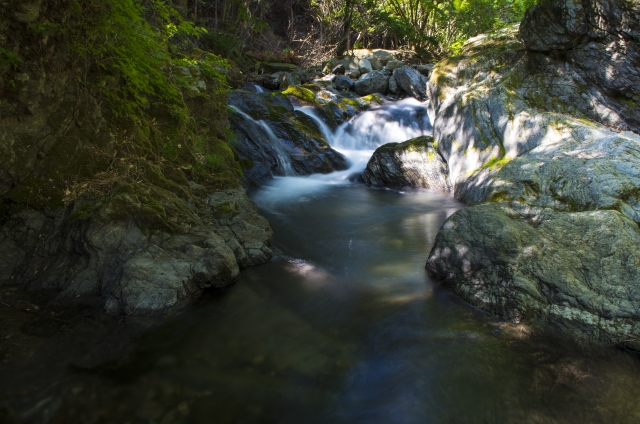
column 496, row 163
column 301, row 93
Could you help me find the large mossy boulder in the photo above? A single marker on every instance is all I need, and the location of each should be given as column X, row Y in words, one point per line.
column 547, row 148
column 414, row 163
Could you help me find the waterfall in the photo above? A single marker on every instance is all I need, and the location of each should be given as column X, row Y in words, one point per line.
column 390, row 123
column 261, row 130
column 356, row 139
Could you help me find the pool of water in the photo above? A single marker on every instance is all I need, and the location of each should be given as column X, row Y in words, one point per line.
column 344, row 327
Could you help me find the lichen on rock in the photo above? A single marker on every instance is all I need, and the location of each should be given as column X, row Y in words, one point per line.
column 545, row 146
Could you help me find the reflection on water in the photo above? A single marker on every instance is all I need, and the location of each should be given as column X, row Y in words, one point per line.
column 344, row 328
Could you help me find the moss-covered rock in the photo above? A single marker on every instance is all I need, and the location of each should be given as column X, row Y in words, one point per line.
column 414, row 163
column 275, row 139
column 112, row 195
column 534, row 141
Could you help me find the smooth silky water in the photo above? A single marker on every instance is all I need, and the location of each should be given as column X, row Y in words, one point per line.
column 346, row 327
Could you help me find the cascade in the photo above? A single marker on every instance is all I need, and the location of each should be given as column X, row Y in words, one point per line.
column 356, row 140
column 261, row 128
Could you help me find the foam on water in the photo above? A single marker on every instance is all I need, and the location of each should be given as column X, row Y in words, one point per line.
column 356, row 139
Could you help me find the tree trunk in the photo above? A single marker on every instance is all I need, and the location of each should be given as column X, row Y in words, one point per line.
column 343, row 43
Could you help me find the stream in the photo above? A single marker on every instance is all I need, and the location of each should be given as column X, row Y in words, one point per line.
column 343, row 327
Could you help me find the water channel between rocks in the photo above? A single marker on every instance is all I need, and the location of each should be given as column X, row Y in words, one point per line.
column 346, row 327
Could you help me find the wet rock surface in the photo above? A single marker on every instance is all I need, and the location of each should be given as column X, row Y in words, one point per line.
column 547, row 150
column 414, row 163
column 274, row 139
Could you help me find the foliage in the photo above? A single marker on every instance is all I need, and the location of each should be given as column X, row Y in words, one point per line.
column 128, row 43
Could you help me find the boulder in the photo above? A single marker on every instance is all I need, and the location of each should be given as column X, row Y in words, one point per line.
column 411, row 82
column 365, row 66
column 274, row 139
column 373, row 82
column 393, row 86
column 329, row 65
column 414, row 163
column 577, row 271
column 271, row 68
column 600, row 38
column 384, row 56
column 545, row 146
column 353, row 73
column 393, row 64
column 288, row 79
column 342, row 82
column 339, row 69
column 424, row 69
column 375, row 62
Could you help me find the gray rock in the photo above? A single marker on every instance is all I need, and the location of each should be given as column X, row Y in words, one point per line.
column 365, row 66
column 339, row 69
column 411, row 82
column 289, row 79
column 375, row 62
column 522, row 136
column 554, row 25
column 601, row 38
column 578, row 271
column 424, row 69
column 393, row 64
column 373, row 82
column 268, row 145
column 384, row 56
column 414, row 163
column 133, row 272
column 353, row 73
column 343, row 82
column 393, row 86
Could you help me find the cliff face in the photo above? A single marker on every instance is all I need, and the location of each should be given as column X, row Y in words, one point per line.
column 541, row 134
column 143, row 210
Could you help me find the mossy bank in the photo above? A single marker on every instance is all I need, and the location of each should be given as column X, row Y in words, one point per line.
column 117, row 174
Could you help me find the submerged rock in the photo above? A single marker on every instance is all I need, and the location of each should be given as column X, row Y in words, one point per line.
column 538, row 145
column 414, row 163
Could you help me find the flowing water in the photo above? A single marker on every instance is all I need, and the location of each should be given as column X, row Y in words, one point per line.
column 343, row 327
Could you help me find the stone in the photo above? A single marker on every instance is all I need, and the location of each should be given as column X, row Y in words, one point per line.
column 413, row 163
column 343, row 82
column 393, row 64
column 353, row 73
column 609, row 30
column 288, row 79
column 373, row 82
column 545, row 149
column 411, row 82
column 393, row 86
column 375, row 62
column 577, row 271
column 554, row 25
column 339, row 69
column 272, row 136
column 365, row 66
column 424, row 69
column 383, row 56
